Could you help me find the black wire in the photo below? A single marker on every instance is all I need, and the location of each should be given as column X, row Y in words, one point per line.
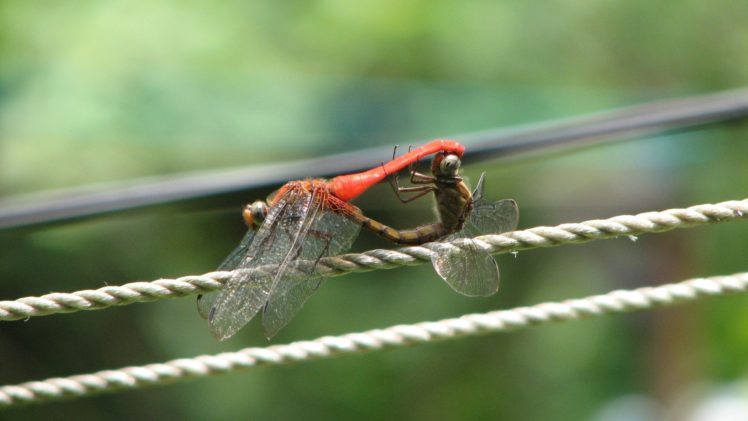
column 635, row 121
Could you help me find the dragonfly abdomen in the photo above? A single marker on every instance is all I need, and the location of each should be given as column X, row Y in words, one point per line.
column 420, row 235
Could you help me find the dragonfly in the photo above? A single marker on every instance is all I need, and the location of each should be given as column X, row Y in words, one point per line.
column 461, row 215
column 299, row 224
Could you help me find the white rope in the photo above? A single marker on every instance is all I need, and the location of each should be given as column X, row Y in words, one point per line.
column 373, row 340
column 623, row 225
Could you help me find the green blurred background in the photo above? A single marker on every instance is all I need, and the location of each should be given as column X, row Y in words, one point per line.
column 103, row 91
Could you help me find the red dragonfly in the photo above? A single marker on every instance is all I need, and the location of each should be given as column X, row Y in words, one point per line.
column 299, row 224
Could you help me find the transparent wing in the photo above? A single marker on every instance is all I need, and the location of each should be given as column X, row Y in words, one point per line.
column 248, row 290
column 468, row 269
column 329, row 233
column 205, row 301
column 480, row 188
column 233, row 260
column 492, row 218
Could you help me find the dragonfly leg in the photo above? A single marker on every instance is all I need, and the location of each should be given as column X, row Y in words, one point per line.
column 412, row 167
column 421, row 190
column 418, row 178
column 394, row 154
column 424, row 190
column 415, row 178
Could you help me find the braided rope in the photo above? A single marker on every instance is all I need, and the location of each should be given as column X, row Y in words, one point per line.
column 596, row 229
column 373, row 340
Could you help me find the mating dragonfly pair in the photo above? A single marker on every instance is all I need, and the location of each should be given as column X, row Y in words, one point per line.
column 304, row 221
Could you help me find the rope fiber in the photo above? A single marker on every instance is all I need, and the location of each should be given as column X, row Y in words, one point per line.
column 571, row 233
column 396, row 336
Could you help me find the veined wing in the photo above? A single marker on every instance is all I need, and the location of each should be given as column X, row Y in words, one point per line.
column 205, row 301
column 469, row 269
column 329, row 233
column 492, row 217
column 249, row 289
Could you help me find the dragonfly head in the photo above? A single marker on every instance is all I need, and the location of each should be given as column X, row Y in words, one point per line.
column 255, row 213
column 445, row 165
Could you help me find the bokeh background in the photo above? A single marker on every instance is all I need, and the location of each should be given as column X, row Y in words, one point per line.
column 93, row 92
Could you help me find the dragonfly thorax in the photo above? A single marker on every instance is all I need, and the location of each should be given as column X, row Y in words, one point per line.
column 453, row 202
column 453, row 198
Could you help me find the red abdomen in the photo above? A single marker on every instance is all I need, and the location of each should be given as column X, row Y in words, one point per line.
column 348, row 187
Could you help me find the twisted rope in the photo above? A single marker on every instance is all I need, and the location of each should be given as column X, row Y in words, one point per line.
column 574, row 233
column 373, row 340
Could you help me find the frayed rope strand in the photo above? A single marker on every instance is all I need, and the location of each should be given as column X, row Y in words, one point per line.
column 574, row 233
column 130, row 378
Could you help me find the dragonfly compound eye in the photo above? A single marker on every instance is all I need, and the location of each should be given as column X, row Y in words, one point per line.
column 449, row 165
column 259, row 211
column 255, row 213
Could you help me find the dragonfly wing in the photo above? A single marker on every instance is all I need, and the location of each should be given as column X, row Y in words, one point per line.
column 205, row 301
column 492, row 218
column 249, row 288
column 480, row 188
column 233, row 260
column 468, row 269
column 330, row 233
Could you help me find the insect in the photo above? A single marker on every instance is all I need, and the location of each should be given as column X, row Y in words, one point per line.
column 302, row 222
column 468, row 269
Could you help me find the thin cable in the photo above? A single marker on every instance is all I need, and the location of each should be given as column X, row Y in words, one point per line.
column 573, row 233
column 634, row 121
column 130, row 378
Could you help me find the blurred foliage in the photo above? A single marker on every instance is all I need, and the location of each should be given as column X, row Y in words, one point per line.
column 108, row 90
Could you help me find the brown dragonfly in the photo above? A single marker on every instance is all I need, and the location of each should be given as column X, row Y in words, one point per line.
column 461, row 215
